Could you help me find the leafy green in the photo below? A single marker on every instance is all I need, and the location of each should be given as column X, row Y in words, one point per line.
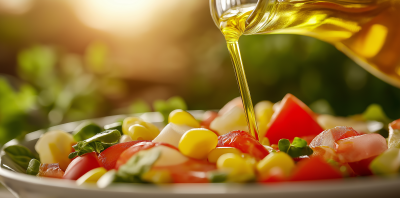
column 97, row 143
column 33, row 167
column 133, row 170
column 165, row 107
column 114, row 126
column 284, row 145
column 298, row 142
column 137, row 165
column 86, row 130
column 20, row 155
column 296, row 149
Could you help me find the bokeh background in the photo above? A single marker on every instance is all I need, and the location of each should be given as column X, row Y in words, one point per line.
column 68, row 60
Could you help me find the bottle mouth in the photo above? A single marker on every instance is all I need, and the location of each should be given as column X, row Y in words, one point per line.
column 218, row 7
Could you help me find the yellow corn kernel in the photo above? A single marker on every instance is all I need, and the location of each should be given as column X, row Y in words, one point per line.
column 276, row 159
column 157, row 176
column 152, row 130
column 181, row 117
column 263, row 111
column 217, row 152
column 92, row 176
column 250, row 160
column 139, row 132
column 265, row 141
column 197, row 143
column 234, row 163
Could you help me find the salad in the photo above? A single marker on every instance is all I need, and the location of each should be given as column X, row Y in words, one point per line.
column 295, row 144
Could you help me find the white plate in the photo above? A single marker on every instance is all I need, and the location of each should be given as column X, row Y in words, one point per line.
column 26, row 186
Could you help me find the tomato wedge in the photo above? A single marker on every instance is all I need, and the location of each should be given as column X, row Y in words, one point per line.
column 292, row 119
column 128, row 153
column 81, row 165
column 108, row 158
column 314, row 168
column 244, row 142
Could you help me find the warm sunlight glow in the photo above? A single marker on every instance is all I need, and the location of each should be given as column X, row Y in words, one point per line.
column 15, row 6
column 124, row 17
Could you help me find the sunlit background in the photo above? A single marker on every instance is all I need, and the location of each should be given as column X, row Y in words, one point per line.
column 67, row 60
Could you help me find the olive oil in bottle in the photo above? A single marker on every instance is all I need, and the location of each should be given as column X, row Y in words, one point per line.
column 368, row 31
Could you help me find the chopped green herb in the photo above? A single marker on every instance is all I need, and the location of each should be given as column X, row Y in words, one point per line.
column 284, row 145
column 296, row 149
column 20, row 155
column 114, row 126
column 137, row 165
column 33, row 167
column 86, row 130
column 97, row 143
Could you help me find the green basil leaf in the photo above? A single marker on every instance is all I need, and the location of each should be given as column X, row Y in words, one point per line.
column 217, row 176
column 97, row 143
column 33, row 167
column 284, row 145
column 20, row 155
column 73, row 155
column 298, row 142
column 108, row 136
column 137, row 165
column 86, row 130
column 114, row 126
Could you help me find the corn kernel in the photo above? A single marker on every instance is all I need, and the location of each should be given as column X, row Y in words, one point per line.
column 263, row 111
column 157, row 176
column 182, row 117
column 138, row 129
column 139, row 132
column 92, row 176
column 197, row 143
column 250, row 160
column 240, row 170
column 276, row 159
column 217, row 152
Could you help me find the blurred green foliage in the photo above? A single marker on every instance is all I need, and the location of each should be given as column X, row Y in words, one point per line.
column 165, row 107
column 54, row 87
column 312, row 70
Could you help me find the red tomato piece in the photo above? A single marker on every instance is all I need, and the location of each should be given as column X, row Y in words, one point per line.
column 362, row 167
column 314, row 168
column 292, row 119
column 129, row 152
column 108, row 158
column 81, row 165
column 244, row 142
column 50, row 170
column 192, row 171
